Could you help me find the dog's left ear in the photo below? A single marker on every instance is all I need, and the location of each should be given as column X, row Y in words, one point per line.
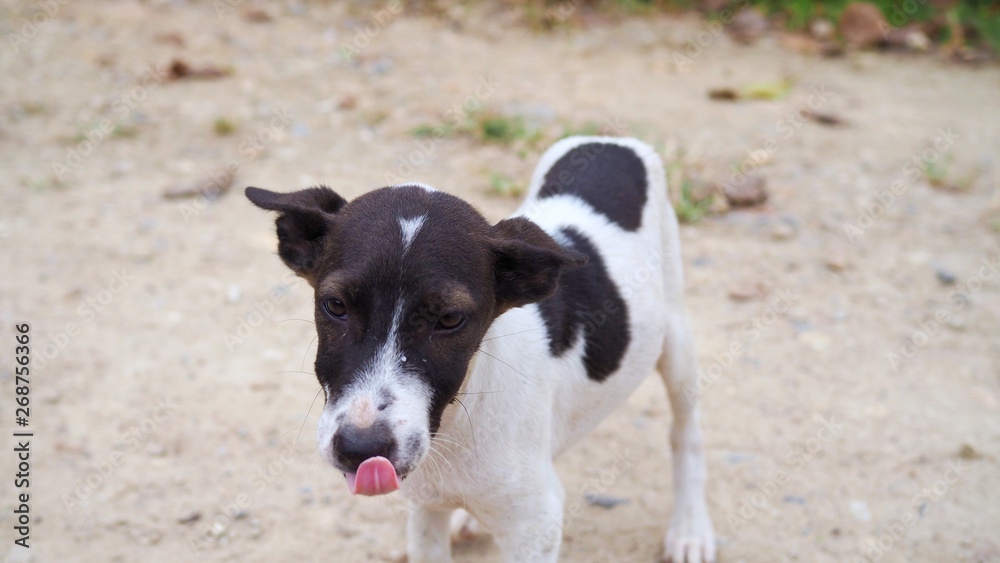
column 305, row 218
column 527, row 262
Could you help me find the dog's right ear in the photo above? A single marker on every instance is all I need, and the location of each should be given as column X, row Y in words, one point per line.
column 305, row 217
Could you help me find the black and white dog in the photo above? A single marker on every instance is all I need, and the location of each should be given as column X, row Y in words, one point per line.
column 460, row 358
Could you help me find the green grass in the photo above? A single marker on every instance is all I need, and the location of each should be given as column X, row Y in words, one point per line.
column 485, row 127
column 982, row 17
column 503, row 185
column 587, row 129
column 224, row 127
column 941, row 174
column 689, row 209
column 502, row 129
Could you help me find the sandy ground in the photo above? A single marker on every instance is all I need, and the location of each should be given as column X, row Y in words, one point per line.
column 171, row 392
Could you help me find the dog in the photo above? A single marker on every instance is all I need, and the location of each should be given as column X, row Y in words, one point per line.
column 458, row 358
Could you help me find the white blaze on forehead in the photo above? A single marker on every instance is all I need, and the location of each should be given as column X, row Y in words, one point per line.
column 409, row 227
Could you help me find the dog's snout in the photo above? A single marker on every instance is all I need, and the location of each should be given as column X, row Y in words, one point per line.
column 353, row 445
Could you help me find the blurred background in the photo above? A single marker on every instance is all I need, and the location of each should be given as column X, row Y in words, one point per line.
column 834, row 166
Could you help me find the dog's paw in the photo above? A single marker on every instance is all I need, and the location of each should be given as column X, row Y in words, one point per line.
column 690, row 539
column 465, row 528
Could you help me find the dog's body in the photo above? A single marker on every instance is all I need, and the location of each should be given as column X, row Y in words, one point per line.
column 557, row 344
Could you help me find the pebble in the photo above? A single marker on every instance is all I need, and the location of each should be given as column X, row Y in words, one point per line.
column 836, row 261
column 747, row 26
column 190, row 517
column 966, row 451
column 209, row 188
column 738, row 457
column 745, row 292
column 945, row 277
column 817, row 341
column 859, row 509
column 822, row 29
column 604, row 501
column 861, row 24
column 752, row 190
column 234, row 293
column 782, row 231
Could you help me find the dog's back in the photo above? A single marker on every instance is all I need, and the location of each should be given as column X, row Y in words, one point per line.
column 587, row 347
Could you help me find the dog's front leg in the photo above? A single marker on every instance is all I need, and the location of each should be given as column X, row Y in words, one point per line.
column 529, row 527
column 428, row 538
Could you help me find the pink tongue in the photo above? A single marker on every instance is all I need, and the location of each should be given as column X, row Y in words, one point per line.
column 375, row 476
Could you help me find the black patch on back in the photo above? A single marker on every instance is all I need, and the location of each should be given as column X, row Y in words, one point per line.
column 587, row 301
column 610, row 178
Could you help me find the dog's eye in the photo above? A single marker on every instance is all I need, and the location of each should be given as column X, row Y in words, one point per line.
column 335, row 308
column 449, row 321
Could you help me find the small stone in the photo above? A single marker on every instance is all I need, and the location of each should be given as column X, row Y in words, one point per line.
column 190, row 517
column 747, row 26
column 910, row 37
column 822, row 29
column 946, row 277
column 233, row 293
column 745, row 292
column 218, row 528
column 862, row 24
column 817, row 341
column 724, row 94
column 859, row 509
column 738, row 457
column 782, row 231
column 256, row 15
column 209, row 188
column 156, row 450
column 604, row 501
column 836, row 261
column 824, row 117
column 750, row 190
column 966, row 451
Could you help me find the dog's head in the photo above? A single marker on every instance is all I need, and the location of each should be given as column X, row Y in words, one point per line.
column 407, row 281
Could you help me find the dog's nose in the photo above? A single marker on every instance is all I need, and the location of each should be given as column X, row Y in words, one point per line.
column 353, row 445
